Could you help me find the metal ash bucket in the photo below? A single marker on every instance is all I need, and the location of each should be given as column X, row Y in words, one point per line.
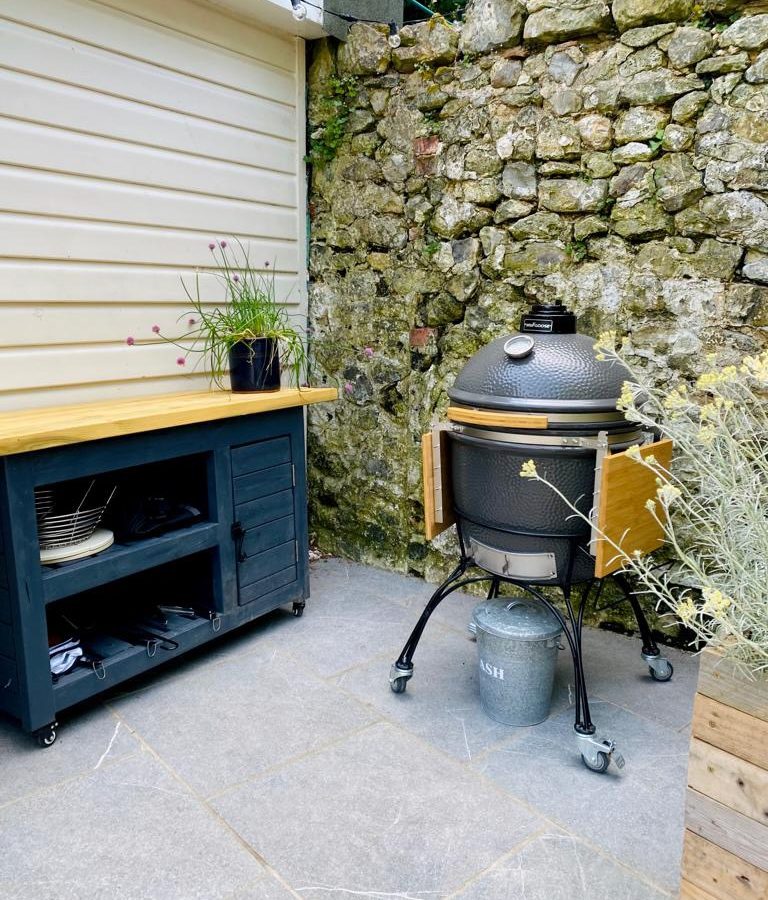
column 517, row 643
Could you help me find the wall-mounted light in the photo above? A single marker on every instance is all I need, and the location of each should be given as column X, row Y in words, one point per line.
column 299, row 11
column 394, row 37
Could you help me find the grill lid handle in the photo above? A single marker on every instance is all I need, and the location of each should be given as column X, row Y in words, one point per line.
column 519, row 346
column 496, row 419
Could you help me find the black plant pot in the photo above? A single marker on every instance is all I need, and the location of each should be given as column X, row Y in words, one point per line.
column 254, row 365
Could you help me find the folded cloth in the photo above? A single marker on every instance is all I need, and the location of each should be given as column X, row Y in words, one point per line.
column 69, row 644
column 62, row 662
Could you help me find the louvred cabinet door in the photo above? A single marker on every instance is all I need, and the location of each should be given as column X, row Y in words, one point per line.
column 266, row 547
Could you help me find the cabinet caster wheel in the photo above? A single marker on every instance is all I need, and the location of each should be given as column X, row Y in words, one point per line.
column 662, row 672
column 298, row 610
column 46, row 737
column 398, row 685
column 600, row 765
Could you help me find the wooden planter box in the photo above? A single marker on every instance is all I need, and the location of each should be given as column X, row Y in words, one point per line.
column 725, row 853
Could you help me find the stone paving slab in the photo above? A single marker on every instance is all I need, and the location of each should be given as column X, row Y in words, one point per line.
column 219, row 725
column 86, row 740
column 555, row 865
column 395, row 816
column 345, row 624
column 616, row 672
column 636, row 814
column 128, row 829
column 441, row 701
column 277, row 763
column 266, row 888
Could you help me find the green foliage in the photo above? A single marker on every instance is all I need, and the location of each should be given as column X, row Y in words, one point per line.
column 250, row 310
column 334, row 107
column 431, row 248
column 432, row 121
column 451, row 9
column 702, row 18
column 577, row 250
column 657, row 140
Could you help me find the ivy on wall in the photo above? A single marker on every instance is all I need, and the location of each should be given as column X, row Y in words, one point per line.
column 333, row 109
column 451, row 9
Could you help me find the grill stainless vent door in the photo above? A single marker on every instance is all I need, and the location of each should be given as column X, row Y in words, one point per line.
column 525, row 566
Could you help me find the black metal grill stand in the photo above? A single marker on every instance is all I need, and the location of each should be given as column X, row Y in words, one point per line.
column 597, row 753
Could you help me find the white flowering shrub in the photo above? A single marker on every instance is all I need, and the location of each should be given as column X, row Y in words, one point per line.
column 714, row 506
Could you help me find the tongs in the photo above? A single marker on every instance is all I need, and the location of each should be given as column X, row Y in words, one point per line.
column 140, row 636
column 186, row 611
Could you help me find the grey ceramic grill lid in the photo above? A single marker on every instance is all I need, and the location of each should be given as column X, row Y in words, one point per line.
column 560, row 373
column 519, row 620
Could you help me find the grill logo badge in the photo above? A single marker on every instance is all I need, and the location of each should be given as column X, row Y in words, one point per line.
column 493, row 671
column 537, row 325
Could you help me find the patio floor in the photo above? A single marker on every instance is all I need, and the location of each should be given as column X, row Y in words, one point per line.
column 278, row 764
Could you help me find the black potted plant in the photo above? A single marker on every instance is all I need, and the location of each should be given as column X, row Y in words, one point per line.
column 249, row 335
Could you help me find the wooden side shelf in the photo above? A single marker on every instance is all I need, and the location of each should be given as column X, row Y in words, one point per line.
column 37, row 429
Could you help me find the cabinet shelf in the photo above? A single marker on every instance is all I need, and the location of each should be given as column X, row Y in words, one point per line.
column 121, row 560
column 81, row 684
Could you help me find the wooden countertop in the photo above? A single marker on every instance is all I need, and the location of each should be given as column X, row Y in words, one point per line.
column 54, row 426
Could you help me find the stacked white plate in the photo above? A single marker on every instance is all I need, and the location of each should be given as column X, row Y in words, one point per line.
column 95, row 543
column 68, row 536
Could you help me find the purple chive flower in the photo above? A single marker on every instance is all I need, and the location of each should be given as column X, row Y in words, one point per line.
column 211, row 246
column 235, row 277
column 156, row 329
column 130, row 341
column 191, row 322
column 222, row 244
column 368, row 352
column 181, row 361
column 348, row 388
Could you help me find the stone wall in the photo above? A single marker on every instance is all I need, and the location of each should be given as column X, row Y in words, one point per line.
column 612, row 156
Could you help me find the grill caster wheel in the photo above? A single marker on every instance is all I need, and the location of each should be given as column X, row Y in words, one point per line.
column 298, row 609
column 398, row 678
column 603, row 761
column 46, row 737
column 663, row 671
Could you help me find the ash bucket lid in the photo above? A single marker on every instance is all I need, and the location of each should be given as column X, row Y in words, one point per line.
column 519, row 620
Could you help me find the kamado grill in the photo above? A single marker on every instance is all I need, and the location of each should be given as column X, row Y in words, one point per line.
column 543, row 395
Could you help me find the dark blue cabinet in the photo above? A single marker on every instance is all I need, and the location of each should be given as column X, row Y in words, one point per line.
column 246, row 556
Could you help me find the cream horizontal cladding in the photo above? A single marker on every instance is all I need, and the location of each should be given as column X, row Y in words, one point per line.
column 60, row 194
column 77, row 111
column 132, row 133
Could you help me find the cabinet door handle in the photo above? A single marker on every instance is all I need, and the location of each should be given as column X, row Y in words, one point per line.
column 238, row 536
